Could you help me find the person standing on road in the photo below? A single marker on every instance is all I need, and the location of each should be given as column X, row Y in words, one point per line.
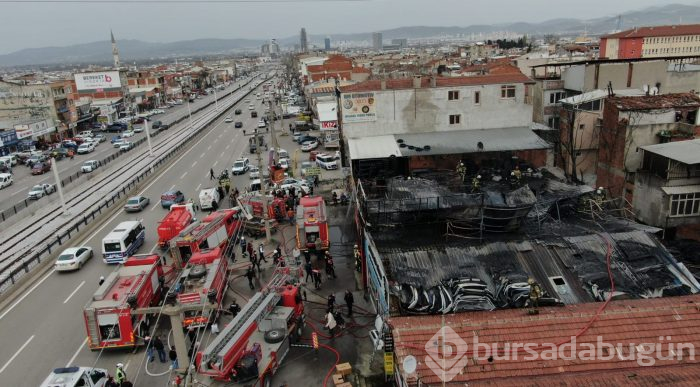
column 290, row 215
column 160, row 348
column 251, row 253
column 317, row 278
column 102, row 280
column 261, row 253
column 243, row 245
column 331, row 302
column 330, row 322
column 349, row 300
column 173, row 358
column 250, row 274
column 119, row 374
column 211, row 174
column 309, row 271
column 149, row 348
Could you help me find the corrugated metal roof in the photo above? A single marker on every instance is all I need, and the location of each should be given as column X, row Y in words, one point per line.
column 599, row 94
column 687, row 152
column 442, row 143
column 683, row 189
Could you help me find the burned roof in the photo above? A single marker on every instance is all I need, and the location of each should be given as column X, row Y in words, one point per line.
column 655, row 102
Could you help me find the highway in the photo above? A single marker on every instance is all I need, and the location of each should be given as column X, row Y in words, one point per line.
column 23, row 180
column 43, row 328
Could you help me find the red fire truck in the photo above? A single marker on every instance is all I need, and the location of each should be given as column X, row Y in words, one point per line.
column 251, row 348
column 213, row 231
column 202, row 281
column 253, row 203
column 138, row 283
column 179, row 217
column 312, row 224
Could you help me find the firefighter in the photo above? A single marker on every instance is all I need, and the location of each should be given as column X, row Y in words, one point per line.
column 518, row 175
column 349, row 300
column 535, row 295
column 462, row 171
column 358, row 258
column 331, row 302
column 250, row 274
column 234, row 308
column 316, row 274
column 261, row 253
column 476, row 183
column 330, row 266
column 243, row 245
column 120, row 374
column 102, row 280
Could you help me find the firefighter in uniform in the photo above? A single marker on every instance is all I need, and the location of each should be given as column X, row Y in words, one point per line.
column 462, row 170
column 119, row 374
column 358, row 258
column 535, row 295
column 476, row 183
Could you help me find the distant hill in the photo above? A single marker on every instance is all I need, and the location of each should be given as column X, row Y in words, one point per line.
column 100, row 52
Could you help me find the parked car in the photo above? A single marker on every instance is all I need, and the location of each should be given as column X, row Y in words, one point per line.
column 253, row 114
column 73, row 258
column 284, row 163
column 305, row 165
column 117, row 127
column 128, row 133
column 40, row 190
column 86, row 147
column 308, row 146
column 70, row 145
column 6, row 180
column 327, row 162
column 138, row 128
column 296, row 136
column 126, row 146
column 89, row 166
column 238, row 124
column 157, row 124
column 237, row 111
column 305, row 137
column 136, row 203
column 100, row 137
column 228, row 119
column 288, row 182
column 251, row 107
column 168, row 198
column 240, row 166
column 59, row 153
column 40, row 168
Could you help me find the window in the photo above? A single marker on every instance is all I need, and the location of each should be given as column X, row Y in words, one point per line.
column 685, row 204
column 555, row 97
column 477, row 97
column 553, row 122
column 454, row 119
column 508, row 91
column 453, row 95
column 582, row 126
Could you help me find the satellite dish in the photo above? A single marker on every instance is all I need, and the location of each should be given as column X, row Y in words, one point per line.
column 409, row 364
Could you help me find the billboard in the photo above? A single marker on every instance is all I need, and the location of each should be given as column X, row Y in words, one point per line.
column 359, row 107
column 98, row 81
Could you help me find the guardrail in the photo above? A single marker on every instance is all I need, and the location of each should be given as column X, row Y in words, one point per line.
column 21, row 266
column 18, row 207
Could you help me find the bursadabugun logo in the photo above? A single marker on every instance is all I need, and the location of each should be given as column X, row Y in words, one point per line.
column 108, row 78
column 446, row 354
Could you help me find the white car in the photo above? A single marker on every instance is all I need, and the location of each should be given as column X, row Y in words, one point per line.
column 299, row 185
column 128, row 133
column 86, row 147
column 308, row 146
column 254, row 172
column 261, row 124
column 118, row 143
column 73, row 258
column 228, row 119
column 284, row 163
column 40, row 190
column 126, row 146
column 240, row 166
column 89, row 166
column 138, row 128
column 251, row 107
column 326, row 161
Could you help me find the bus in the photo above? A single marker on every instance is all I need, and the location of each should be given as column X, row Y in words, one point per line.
column 123, row 241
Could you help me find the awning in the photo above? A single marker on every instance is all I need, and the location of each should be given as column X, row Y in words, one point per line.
column 444, row 143
column 141, row 90
column 683, row 189
column 687, row 152
column 105, row 102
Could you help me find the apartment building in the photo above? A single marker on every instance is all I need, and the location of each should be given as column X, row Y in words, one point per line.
column 652, row 42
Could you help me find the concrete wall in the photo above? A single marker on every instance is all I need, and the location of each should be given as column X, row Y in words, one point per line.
column 649, row 201
column 574, row 77
column 428, row 110
column 538, row 102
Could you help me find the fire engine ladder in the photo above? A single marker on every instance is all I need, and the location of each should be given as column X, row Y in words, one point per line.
column 253, row 312
column 208, row 227
column 92, row 325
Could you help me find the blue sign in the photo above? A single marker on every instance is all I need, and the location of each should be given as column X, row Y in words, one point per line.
column 8, row 137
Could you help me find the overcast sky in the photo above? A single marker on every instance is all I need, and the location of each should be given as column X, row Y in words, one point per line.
column 29, row 25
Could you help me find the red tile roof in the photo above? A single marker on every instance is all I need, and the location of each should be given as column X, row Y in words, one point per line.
column 648, row 321
column 359, row 70
column 645, row 32
column 336, row 66
column 661, row 101
column 407, row 83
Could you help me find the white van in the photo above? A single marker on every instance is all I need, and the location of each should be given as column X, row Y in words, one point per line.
column 209, row 199
column 11, row 158
column 5, row 180
column 85, row 133
column 76, row 377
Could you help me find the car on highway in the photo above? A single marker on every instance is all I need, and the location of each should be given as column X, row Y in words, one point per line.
column 240, row 166
column 126, row 146
column 40, row 168
column 89, row 166
column 238, row 124
column 237, row 111
column 73, row 258
column 326, row 161
column 6, row 180
column 100, row 137
column 138, row 128
column 158, row 111
column 115, row 139
column 168, row 198
column 70, row 145
column 136, row 203
column 157, row 125
column 253, row 114
column 117, row 127
column 261, row 124
column 86, row 147
column 40, row 190
column 251, row 107
column 228, row 119
column 308, row 146
column 128, row 133
column 33, row 159
column 118, row 142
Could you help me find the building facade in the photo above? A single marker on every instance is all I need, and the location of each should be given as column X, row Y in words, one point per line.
column 303, row 42
column 377, row 41
column 651, row 42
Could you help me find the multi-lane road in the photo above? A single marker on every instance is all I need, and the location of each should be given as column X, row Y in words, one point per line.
column 24, row 181
column 43, row 328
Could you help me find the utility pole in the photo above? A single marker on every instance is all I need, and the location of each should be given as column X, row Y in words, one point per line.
column 54, row 168
column 273, row 137
column 148, row 137
column 263, row 186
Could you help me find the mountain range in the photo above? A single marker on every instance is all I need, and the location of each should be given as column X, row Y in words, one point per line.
column 100, row 52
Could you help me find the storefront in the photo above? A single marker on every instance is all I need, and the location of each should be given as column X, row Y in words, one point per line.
column 8, row 142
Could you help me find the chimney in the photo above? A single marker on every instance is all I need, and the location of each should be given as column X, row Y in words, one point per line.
column 416, row 81
column 433, row 81
column 383, row 84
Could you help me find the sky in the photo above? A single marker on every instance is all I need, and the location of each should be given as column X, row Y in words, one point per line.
column 29, row 24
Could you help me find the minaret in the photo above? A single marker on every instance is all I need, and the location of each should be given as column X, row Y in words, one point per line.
column 115, row 52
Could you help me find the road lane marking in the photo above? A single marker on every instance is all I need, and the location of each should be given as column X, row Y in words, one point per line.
column 16, row 353
column 215, row 162
column 153, row 249
column 202, row 155
column 197, row 189
column 74, row 291
column 72, row 359
column 26, row 294
column 228, row 146
column 209, row 147
column 155, row 205
column 193, row 164
column 183, row 175
column 126, row 366
column 19, row 191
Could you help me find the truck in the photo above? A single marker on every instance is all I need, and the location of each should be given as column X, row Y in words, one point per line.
column 139, row 282
column 312, row 225
column 201, row 282
column 179, row 217
column 209, row 198
column 215, row 230
column 252, row 347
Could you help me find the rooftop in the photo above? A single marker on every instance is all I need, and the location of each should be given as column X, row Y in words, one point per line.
column 407, row 83
column 687, row 152
column 655, row 31
column 655, row 102
column 629, row 325
column 599, row 94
